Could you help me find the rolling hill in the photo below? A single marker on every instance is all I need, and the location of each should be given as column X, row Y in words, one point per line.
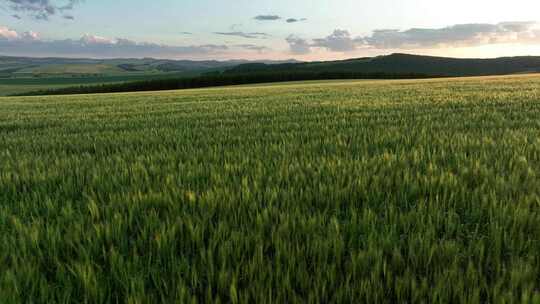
column 24, row 74
column 11, row 67
column 405, row 64
column 127, row 75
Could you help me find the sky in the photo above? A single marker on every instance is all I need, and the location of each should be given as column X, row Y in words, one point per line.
column 268, row 29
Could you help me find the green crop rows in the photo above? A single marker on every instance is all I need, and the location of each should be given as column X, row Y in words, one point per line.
column 369, row 192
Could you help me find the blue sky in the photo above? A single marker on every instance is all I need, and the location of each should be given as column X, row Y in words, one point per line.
column 258, row 29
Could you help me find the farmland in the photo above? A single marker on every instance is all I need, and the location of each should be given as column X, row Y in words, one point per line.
column 25, row 74
column 324, row 192
column 18, row 85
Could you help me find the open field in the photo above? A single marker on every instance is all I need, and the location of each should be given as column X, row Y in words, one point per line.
column 355, row 192
column 71, row 69
column 9, row 89
column 10, row 86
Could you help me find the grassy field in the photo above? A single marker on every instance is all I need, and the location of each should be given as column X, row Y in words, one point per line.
column 61, row 69
column 9, row 86
column 18, row 85
column 356, row 192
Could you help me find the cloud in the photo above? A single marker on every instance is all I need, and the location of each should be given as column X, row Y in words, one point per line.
column 186, row 33
column 8, row 34
column 29, row 44
column 267, row 17
column 294, row 20
column 89, row 45
column 235, row 27
column 254, row 35
column 16, row 16
column 68, row 17
column 88, row 39
column 29, row 36
column 40, row 9
column 460, row 35
column 338, row 41
column 253, row 47
column 297, row 45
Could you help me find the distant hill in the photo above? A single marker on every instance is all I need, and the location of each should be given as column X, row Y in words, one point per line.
column 199, row 74
column 17, row 67
column 404, row 64
column 11, row 67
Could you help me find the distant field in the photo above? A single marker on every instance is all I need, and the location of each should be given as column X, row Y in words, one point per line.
column 71, row 69
column 21, row 85
column 338, row 192
column 10, row 89
column 17, row 85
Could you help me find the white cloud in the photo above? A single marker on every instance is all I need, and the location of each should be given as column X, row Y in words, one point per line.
column 6, row 33
column 30, row 44
column 338, row 41
column 297, row 45
column 30, row 35
column 459, row 35
column 93, row 39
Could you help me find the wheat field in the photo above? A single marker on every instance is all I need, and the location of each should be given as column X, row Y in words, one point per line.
column 416, row 191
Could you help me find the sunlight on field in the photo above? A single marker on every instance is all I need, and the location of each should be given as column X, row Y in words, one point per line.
column 368, row 191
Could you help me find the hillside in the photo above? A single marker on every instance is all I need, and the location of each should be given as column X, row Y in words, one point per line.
column 42, row 67
column 17, row 67
column 128, row 75
column 404, row 64
column 23, row 74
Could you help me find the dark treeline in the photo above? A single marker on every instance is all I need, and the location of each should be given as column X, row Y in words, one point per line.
column 220, row 79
